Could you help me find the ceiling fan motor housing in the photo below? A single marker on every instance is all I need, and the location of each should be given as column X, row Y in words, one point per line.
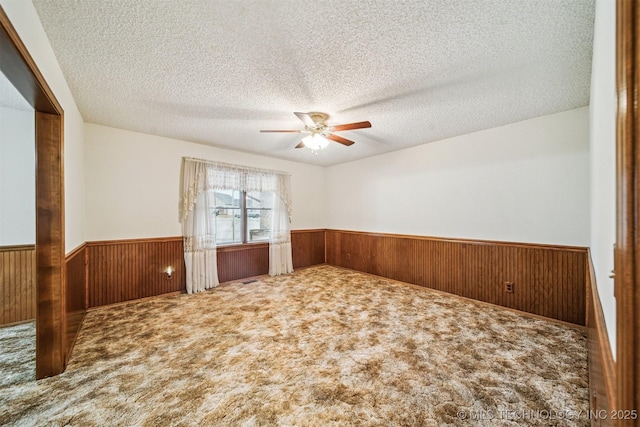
column 319, row 118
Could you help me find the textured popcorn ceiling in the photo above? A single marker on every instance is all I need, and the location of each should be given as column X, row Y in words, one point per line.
column 216, row 72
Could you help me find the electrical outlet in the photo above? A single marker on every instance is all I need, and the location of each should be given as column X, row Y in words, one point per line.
column 508, row 287
column 348, row 257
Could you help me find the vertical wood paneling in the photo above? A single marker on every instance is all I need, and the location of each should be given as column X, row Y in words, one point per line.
column 242, row 261
column 307, row 247
column 131, row 269
column 76, row 288
column 126, row 270
column 602, row 376
column 17, row 283
column 333, row 248
column 548, row 280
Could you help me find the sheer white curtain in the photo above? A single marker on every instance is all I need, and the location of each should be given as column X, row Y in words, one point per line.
column 280, row 259
column 198, row 229
column 200, row 179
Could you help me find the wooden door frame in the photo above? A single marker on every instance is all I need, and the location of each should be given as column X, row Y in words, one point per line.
column 20, row 69
column 627, row 273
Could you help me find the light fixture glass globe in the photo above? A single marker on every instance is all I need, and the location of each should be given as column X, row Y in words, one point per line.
column 315, row 141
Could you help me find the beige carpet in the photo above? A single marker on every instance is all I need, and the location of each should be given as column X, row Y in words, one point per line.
column 321, row 347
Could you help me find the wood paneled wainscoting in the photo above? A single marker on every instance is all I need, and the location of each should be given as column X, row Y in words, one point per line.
column 546, row 280
column 17, row 283
column 602, row 372
column 308, row 247
column 18, row 289
column 238, row 262
column 124, row 270
column 75, row 294
column 241, row 261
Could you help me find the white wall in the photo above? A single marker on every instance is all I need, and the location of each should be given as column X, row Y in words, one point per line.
column 24, row 18
column 524, row 182
column 17, row 177
column 603, row 155
column 133, row 183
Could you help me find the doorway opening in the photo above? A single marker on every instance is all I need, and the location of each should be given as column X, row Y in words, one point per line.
column 21, row 71
column 17, row 237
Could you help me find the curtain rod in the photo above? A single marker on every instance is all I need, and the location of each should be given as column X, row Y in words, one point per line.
column 212, row 162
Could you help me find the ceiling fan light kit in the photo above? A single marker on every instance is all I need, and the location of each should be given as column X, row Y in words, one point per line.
column 321, row 134
column 316, row 141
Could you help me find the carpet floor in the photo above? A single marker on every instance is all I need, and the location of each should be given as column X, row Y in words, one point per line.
column 323, row 346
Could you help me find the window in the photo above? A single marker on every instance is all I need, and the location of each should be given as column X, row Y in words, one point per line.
column 242, row 217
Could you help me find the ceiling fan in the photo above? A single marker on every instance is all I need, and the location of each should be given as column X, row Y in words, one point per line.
column 320, row 133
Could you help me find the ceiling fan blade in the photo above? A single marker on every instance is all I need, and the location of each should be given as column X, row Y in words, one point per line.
column 306, row 119
column 340, row 139
column 300, row 145
column 351, row 126
column 287, row 131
